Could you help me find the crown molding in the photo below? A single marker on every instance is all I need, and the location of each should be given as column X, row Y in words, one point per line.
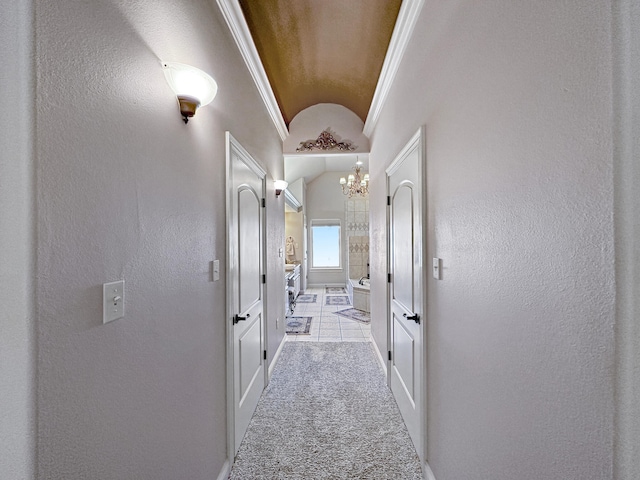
column 292, row 201
column 237, row 24
column 407, row 18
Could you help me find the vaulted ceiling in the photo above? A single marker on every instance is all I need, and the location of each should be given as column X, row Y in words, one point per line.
column 321, row 51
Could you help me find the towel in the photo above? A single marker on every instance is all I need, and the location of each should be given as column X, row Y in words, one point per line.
column 290, row 248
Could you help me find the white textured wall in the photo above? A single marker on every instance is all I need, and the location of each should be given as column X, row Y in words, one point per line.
column 324, row 200
column 127, row 190
column 297, row 189
column 516, row 99
column 17, row 344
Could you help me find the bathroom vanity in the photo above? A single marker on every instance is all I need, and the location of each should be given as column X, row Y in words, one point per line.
column 291, row 284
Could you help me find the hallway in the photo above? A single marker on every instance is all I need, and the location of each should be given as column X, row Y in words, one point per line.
column 327, row 413
column 531, row 114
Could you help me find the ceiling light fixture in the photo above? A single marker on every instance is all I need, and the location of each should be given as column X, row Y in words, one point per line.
column 355, row 184
column 280, row 185
column 193, row 87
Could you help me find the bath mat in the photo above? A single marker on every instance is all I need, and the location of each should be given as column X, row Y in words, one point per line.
column 355, row 314
column 298, row 325
column 307, row 298
column 335, row 290
column 338, row 300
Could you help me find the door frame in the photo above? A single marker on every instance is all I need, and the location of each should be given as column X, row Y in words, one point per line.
column 231, row 142
column 417, row 141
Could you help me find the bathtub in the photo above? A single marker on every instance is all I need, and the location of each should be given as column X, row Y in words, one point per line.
column 359, row 294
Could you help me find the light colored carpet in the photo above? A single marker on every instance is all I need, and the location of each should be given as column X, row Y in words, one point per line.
column 327, row 414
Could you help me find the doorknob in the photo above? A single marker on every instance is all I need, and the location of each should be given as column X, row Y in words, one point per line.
column 415, row 317
column 237, row 318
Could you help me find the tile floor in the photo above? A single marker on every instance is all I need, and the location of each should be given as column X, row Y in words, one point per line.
column 326, row 326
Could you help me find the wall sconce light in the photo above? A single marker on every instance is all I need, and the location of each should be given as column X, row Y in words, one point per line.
column 280, row 186
column 193, row 87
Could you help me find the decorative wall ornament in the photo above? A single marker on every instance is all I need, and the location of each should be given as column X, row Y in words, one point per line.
column 325, row 141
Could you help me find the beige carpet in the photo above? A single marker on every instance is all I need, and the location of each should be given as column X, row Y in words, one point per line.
column 327, row 414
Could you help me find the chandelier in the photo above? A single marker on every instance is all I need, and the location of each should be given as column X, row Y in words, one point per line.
column 355, row 184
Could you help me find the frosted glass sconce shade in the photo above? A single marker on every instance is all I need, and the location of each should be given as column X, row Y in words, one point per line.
column 280, row 185
column 193, row 87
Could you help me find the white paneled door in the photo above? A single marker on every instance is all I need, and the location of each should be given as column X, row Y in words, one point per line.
column 245, row 217
column 406, row 296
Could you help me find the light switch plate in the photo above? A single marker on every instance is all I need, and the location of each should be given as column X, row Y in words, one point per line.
column 216, row 270
column 112, row 301
column 437, row 267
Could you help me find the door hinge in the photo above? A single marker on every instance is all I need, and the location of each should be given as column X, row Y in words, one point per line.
column 389, row 355
column 264, row 202
column 264, row 278
column 389, row 200
column 388, row 278
column 265, row 355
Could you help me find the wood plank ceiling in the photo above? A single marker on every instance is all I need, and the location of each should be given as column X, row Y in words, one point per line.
column 322, row 51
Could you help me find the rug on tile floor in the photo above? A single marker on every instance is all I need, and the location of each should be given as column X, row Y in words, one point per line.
column 298, row 325
column 306, row 298
column 355, row 314
column 327, row 413
column 335, row 290
column 338, row 300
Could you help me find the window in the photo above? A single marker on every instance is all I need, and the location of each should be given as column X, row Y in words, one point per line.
column 325, row 244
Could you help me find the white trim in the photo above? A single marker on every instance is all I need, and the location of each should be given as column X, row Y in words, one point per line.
column 383, row 362
column 273, row 363
column 224, row 472
column 247, row 159
column 237, row 24
column 292, row 201
column 18, row 235
column 231, row 144
column 229, row 329
column 626, row 148
column 407, row 18
column 428, row 473
column 417, row 143
column 411, row 144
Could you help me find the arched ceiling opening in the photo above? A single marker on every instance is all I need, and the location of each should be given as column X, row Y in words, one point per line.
column 322, row 51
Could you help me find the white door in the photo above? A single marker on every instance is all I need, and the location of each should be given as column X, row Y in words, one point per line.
column 406, row 297
column 245, row 221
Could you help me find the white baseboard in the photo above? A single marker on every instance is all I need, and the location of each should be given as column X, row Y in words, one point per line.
column 277, row 355
column 383, row 362
column 226, row 469
column 428, row 474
